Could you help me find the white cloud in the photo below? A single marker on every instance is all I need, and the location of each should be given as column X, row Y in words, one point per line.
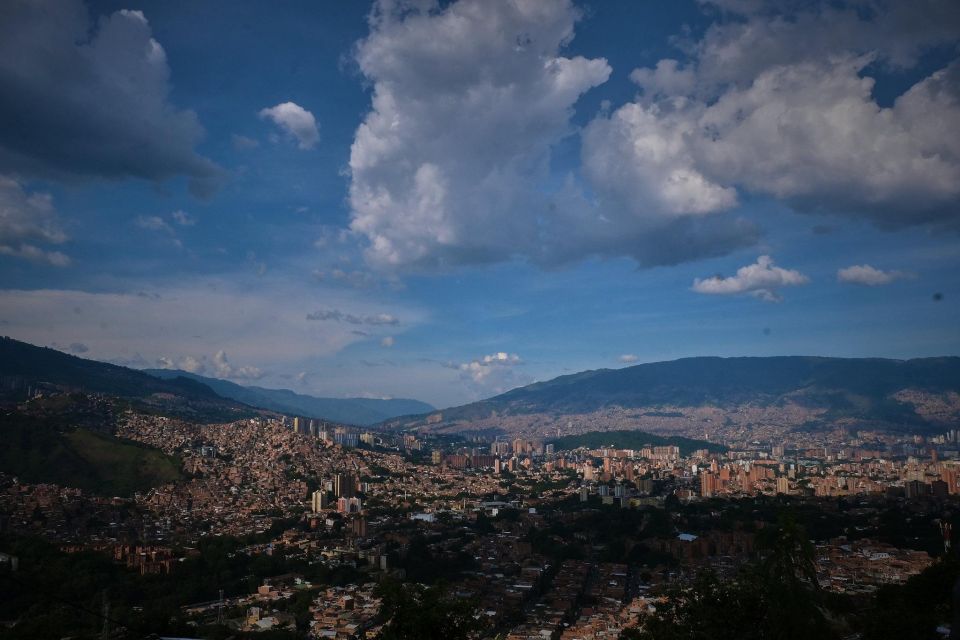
column 640, row 161
column 864, row 274
column 295, row 121
column 492, row 373
column 451, row 165
column 192, row 365
column 667, row 78
column 762, row 279
column 835, row 147
column 628, row 358
column 770, row 34
column 483, row 367
column 26, row 221
column 781, row 102
column 218, row 366
column 189, row 364
column 223, row 369
column 388, row 341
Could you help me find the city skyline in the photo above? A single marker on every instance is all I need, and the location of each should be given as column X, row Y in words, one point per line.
column 446, row 203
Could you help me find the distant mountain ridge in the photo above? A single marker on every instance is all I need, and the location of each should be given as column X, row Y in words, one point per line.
column 868, row 388
column 23, row 366
column 357, row 411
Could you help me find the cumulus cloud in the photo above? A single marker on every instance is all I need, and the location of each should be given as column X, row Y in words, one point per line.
column 668, row 78
column 754, row 36
column 27, row 222
column 218, row 366
column 658, row 205
column 90, row 99
column 451, row 165
column 762, row 279
column 492, row 373
column 295, row 121
column 864, row 274
column 336, row 315
column 190, row 364
column 781, row 102
column 223, row 369
column 628, row 358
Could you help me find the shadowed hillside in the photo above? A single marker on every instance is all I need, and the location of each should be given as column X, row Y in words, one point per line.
column 25, row 368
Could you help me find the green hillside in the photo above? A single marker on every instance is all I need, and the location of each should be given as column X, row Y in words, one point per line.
column 36, row 450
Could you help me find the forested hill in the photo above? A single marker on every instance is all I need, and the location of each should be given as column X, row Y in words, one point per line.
column 25, row 367
column 863, row 387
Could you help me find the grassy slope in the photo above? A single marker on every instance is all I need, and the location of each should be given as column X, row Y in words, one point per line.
column 35, row 451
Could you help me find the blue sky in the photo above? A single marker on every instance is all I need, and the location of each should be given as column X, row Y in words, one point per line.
column 405, row 199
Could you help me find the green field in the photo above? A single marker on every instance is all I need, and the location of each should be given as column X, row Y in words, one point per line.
column 36, row 451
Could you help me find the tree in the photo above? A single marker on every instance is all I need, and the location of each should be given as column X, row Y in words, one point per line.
column 415, row 612
column 777, row 597
column 709, row 609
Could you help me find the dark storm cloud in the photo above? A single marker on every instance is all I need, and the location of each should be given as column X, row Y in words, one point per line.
column 81, row 99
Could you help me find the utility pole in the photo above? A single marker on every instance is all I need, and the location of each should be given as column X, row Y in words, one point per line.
column 105, row 632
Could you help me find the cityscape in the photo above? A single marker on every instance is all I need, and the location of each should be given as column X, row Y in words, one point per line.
column 479, row 320
column 539, row 537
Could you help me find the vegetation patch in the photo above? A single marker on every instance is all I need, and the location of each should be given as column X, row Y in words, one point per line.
column 37, row 451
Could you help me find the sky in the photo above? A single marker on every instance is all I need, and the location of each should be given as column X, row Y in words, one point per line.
column 443, row 201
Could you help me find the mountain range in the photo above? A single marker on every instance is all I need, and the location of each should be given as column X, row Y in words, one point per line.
column 25, row 367
column 791, row 390
column 687, row 396
column 358, row 411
